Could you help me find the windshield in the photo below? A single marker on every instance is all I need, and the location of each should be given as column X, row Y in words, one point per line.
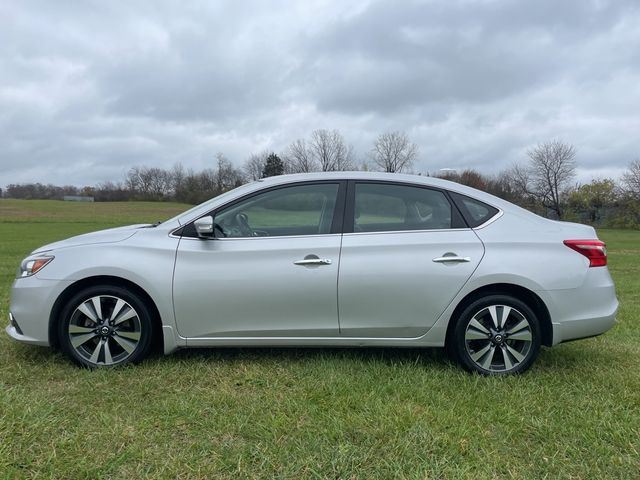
column 206, row 206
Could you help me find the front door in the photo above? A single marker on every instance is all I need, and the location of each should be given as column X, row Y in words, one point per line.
column 273, row 273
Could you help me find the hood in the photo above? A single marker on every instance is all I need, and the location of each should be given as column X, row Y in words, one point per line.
column 110, row 235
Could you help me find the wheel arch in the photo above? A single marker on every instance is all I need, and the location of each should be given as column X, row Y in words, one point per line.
column 71, row 290
column 524, row 294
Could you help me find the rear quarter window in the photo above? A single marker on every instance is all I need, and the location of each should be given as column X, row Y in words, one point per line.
column 474, row 211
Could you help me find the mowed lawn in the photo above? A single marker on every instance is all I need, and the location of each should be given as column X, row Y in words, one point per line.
column 312, row 413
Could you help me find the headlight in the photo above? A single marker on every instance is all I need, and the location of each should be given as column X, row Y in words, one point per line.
column 32, row 265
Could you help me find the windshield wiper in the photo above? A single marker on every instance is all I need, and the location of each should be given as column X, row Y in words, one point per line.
column 152, row 225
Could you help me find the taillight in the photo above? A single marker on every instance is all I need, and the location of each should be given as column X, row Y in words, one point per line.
column 594, row 250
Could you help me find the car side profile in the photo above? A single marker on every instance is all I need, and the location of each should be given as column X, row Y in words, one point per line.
column 323, row 259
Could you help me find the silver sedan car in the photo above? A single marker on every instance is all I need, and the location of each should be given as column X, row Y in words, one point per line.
column 326, row 259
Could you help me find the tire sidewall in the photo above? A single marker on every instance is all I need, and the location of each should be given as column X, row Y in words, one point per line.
column 146, row 325
column 458, row 343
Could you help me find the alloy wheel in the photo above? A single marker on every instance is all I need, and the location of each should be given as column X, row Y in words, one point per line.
column 498, row 338
column 104, row 330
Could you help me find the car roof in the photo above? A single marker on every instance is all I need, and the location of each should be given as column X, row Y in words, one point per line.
column 387, row 177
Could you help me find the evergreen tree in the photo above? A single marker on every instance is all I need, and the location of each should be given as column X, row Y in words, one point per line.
column 273, row 166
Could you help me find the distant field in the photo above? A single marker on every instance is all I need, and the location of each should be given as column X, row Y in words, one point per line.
column 312, row 413
column 116, row 213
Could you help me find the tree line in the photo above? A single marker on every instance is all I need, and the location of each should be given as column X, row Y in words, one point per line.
column 544, row 182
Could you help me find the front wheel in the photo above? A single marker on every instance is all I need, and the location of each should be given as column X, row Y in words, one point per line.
column 105, row 326
column 496, row 335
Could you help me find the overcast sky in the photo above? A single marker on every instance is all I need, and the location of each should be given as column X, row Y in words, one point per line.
column 89, row 89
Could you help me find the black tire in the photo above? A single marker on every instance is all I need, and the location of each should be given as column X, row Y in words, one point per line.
column 116, row 329
column 479, row 343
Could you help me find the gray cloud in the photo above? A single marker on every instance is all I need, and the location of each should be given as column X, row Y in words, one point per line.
column 461, row 52
column 90, row 89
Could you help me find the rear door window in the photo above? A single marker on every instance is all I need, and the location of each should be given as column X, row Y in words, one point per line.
column 380, row 207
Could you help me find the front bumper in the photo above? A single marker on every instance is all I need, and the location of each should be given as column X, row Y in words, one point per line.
column 32, row 300
column 13, row 333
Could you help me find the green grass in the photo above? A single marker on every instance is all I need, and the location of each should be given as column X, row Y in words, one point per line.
column 313, row 413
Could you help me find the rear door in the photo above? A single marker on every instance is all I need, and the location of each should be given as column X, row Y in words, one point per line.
column 406, row 253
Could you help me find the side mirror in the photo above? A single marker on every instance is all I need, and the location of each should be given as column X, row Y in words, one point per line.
column 204, row 227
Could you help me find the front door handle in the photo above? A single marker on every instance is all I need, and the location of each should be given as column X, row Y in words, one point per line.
column 313, row 261
column 452, row 259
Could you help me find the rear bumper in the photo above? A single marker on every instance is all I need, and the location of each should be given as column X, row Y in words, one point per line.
column 583, row 312
column 565, row 332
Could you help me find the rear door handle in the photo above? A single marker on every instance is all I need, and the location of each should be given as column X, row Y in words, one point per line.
column 452, row 259
column 313, row 261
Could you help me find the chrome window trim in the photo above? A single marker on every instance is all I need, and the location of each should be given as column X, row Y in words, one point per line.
column 226, row 239
column 385, row 232
column 430, row 230
column 491, row 220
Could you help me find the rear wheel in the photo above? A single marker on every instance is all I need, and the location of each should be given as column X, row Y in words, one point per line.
column 104, row 326
column 496, row 335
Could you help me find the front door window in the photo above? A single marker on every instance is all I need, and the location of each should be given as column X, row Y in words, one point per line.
column 297, row 210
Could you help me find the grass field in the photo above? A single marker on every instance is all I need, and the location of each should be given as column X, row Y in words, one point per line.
column 312, row 413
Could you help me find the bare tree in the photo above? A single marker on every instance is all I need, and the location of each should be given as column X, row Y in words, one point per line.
column 552, row 167
column 208, row 181
column 474, row 179
column 160, row 182
column 518, row 178
column 133, row 181
column 631, row 179
column 299, row 158
column 226, row 176
column 177, row 175
column 254, row 165
column 348, row 161
column 394, row 152
column 330, row 151
column 365, row 166
column 149, row 183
